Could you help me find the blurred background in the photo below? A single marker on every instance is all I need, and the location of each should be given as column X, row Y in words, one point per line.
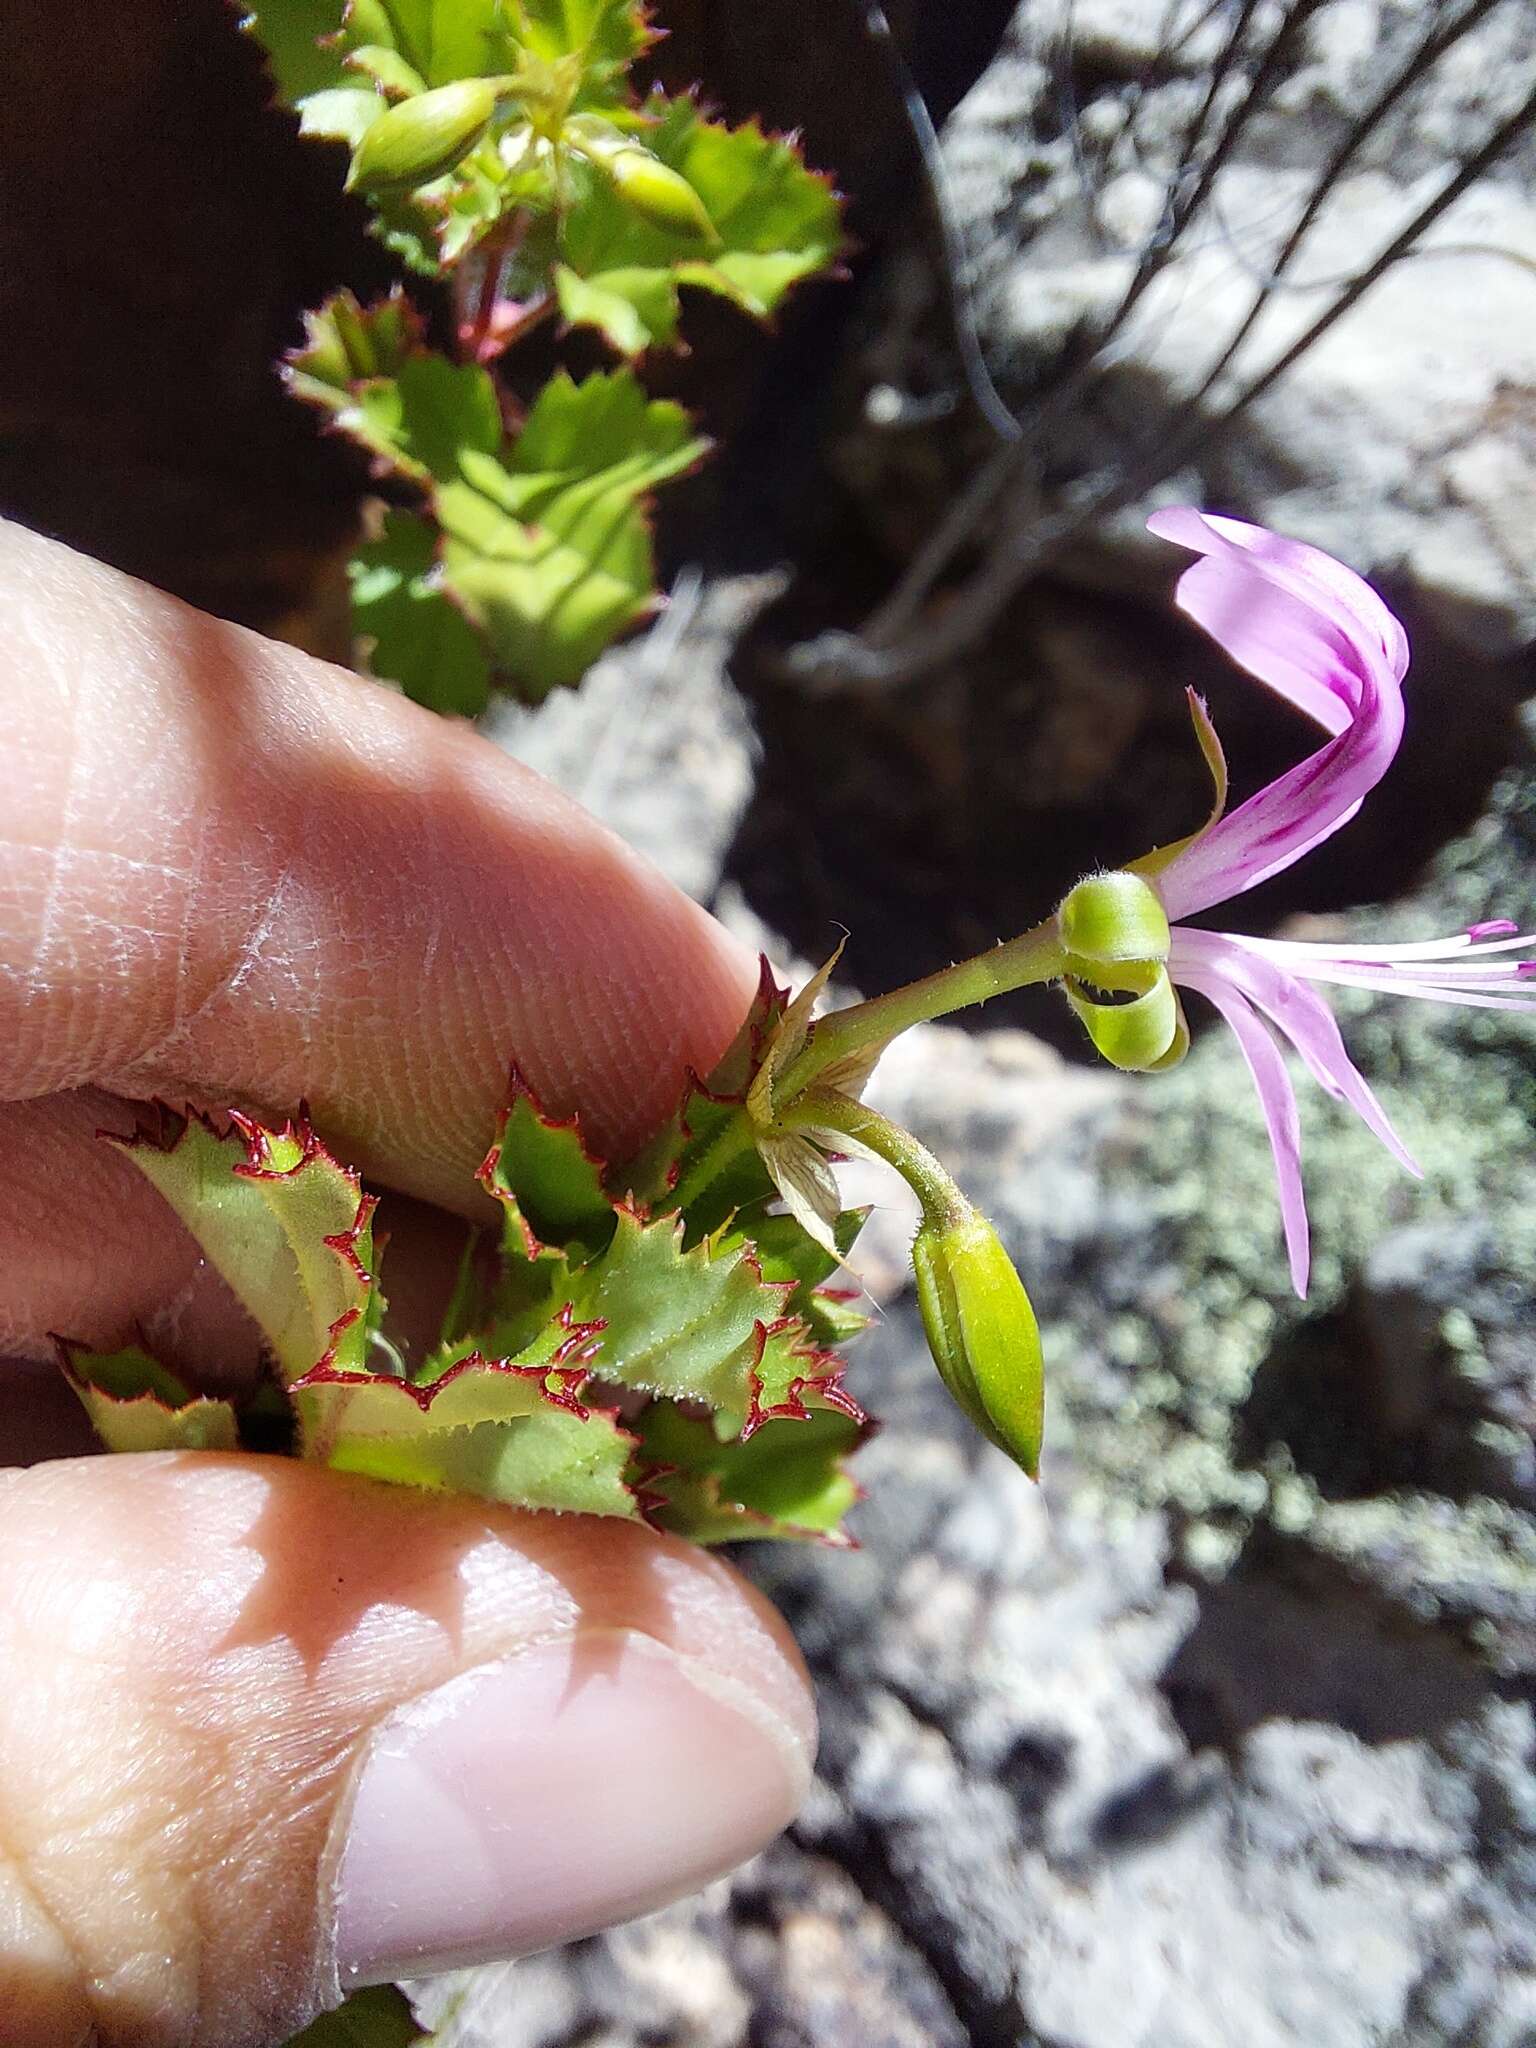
column 1225, row 1733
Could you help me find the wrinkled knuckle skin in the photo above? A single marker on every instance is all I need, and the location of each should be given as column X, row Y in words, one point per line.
column 42, row 2002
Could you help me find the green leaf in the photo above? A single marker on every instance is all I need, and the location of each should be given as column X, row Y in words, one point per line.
column 676, row 1322
column 346, row 1403
column 309, row 42
column 379, row 2017
column 550, row 1186
column 550, row 1459
column 606, row 34
column 793, row 1377
column 546, row 543
column 702, row 1121
column 136, row 1404
column 288, row 1228
column 419, row 638
column 776, row 221
column 785, row 1482
column 295, row 35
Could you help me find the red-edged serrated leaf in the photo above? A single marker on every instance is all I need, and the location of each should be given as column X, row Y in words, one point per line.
column 136, row 1404
column 793, row 1377
column 678, row 1322
column 787, row 1482
column 286, row 1225
column 342, row 1404
column 553, row 1458
column 549, row 1185
column 710, row 1116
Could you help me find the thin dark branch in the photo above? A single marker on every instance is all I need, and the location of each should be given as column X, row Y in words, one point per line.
column 973, row 361
column 1024, row 546
column 1012, row 467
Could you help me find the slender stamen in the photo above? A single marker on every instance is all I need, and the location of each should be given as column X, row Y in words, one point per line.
column 1426, row 949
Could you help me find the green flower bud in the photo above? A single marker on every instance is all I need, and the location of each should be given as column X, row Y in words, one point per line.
column 1108, row 918
column 646, row 185
column 423, row 137
column 660, row 195
column 982, row 1332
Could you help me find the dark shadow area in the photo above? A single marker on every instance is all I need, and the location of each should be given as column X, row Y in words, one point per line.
column 1377, row 1395
column 164, row 229
column 1287, row 1636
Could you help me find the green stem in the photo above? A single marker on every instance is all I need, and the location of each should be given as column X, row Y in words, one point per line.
column 1035, row 956
column 823, row 1109
column 727, row 1146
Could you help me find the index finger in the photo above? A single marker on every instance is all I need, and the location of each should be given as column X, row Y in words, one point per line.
column 231, row 872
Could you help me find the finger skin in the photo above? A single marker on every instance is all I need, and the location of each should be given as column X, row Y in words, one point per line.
column 197, row 1649
column 231, row 872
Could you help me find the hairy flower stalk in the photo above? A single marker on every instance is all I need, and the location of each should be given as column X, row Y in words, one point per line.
column 1314, row 633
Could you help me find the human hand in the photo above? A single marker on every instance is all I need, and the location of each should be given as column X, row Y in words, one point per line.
column 266, row 1731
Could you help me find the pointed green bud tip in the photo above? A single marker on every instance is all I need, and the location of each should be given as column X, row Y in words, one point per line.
column 982, row 1333
column 423, row 137
column 1110, row 918
column 660, row 195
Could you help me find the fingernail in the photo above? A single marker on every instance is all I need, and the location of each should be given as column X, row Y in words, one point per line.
column 536, row 1800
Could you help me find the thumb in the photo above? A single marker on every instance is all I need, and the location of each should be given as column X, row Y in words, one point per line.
column 267, row 1732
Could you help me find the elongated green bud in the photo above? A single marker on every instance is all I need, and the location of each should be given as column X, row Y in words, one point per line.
column 646, row 185
column 660, row 195
column 423, row 137
column 982, row 1332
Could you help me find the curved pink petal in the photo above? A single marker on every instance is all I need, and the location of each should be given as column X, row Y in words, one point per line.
column 1320, row 637
column 1301, row 1013
column 1277, row 1099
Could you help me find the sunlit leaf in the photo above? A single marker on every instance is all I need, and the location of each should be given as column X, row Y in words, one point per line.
column 777, row 223
column 135, row 1404
column 546, row 542
column 286, row 1226
column 417, row 636
column 786, row 1482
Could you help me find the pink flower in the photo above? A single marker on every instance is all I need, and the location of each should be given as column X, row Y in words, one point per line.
column 1318, row 636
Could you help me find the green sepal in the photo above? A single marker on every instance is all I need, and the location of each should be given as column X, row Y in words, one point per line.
column 787, row 1482
column 379, row 2017
column 137, row 1404
column 1112, row 918
column 1141, row 1036
column 774, row 223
